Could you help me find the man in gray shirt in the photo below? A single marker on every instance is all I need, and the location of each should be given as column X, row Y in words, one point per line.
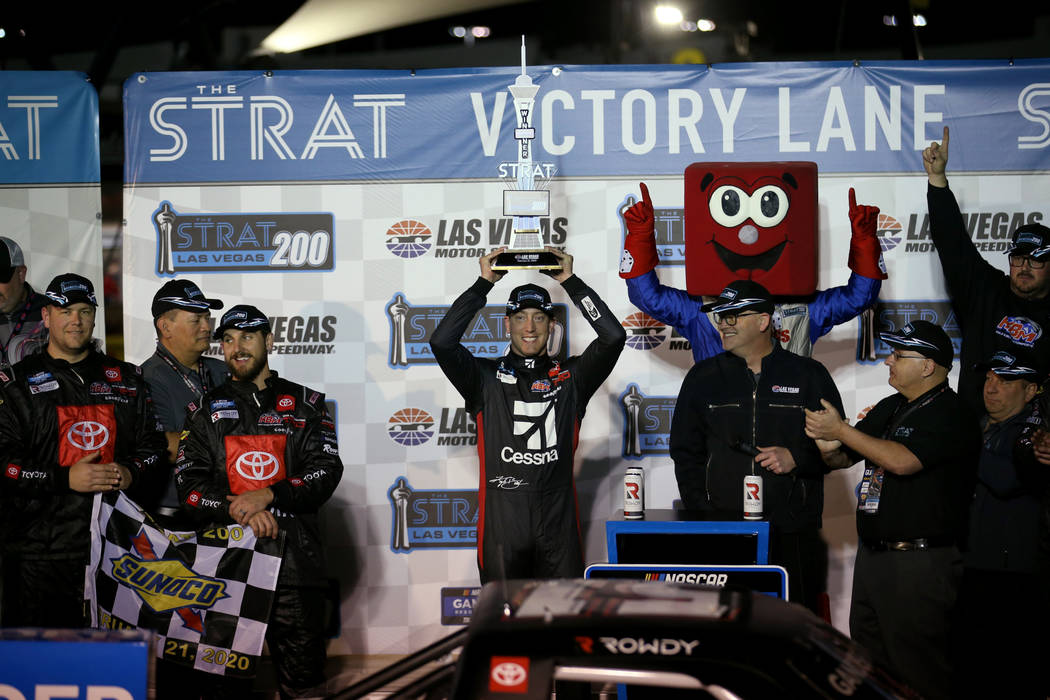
column 22, row 330
column 179, row 374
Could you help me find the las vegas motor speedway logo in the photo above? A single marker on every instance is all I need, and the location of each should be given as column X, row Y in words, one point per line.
column 463, row 238
column 990, row 231
column 669, row 225
column 252, row 242
column 891, row 316
column 643, row 331
column 411, row 328
column 411, row 427
column 646, row 423
column 442, row 519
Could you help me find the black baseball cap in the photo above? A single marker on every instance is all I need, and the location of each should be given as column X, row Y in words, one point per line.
column 927, row 339
column 242, row 317
column 741, row 295
column 529, row 296
column 69, row 289
column 1009, row 366
column 10, row 258
column 1032, row 240
column 181, row 294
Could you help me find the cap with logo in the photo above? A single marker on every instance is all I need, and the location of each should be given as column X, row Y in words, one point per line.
column 70, row 288
column 181, row 294
column 243, row 317
column 739, row 296
column 10, row 258
column 529, row 296
column 1009, row 366
column 927, row 339
column 1032, row 240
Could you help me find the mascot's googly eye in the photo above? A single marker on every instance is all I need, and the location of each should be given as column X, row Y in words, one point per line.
column 729, row 205
column 769, row 206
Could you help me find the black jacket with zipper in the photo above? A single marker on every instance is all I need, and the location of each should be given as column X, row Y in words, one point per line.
column 53, row 413
column 721, row 409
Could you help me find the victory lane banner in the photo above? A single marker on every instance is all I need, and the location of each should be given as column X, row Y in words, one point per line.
column 206, row 594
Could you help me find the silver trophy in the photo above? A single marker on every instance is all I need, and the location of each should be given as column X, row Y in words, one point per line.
column 523, row 201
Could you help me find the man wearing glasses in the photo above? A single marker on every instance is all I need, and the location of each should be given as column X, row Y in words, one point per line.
column 920, row 448
column 996, row 311
column 740, row 414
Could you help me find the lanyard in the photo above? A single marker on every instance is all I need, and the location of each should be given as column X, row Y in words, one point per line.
column 899, row 415
column 18, row 325
column 201, row 375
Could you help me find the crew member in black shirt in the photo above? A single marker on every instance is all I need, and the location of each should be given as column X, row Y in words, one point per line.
column 995, row 311
column 921, row 447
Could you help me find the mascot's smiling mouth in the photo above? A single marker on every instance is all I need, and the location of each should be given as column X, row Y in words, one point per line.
column 762, row 261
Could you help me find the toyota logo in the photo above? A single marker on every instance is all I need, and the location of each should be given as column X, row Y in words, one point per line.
column 508, row 673
column 87, row 435
column 257, row 465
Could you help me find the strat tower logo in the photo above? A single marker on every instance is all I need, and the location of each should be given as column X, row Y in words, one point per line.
column 411, row 328
column 410, row 427
column 891, row 316
column 463, row 238
column 643, row 331
column 990, row 231
column 225, row 242
column 646, row 423
column 670, row 231
column 431, row 519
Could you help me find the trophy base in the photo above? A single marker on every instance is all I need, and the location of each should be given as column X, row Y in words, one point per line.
column 526, row 260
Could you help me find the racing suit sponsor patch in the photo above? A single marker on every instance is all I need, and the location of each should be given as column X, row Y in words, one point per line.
column 86, row 429
column 254, row 461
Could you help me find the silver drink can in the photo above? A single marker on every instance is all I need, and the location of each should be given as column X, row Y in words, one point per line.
column 752, row 497
column 634, row 493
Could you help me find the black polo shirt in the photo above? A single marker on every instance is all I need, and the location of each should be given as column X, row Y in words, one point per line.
column 932, row 503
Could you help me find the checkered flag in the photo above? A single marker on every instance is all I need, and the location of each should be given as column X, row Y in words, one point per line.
column 206, row 594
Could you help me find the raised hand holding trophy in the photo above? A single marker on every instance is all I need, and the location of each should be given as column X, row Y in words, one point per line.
column 523, row 201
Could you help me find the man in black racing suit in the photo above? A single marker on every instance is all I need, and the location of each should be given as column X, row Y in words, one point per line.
column 528, row 407
column 73, row 422
column 262, row 451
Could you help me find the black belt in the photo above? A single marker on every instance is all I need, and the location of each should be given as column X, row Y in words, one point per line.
column 916, row 545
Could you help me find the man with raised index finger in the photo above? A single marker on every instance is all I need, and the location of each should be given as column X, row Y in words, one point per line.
column 996, row 311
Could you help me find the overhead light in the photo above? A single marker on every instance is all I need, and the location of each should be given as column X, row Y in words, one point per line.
column 705, row 25
column 319, row 22
column 687, row 26
column 2, row 33
column 918, row 20
column 458, row 32
column 480, row 32
column 668, row 14
column 889, row 20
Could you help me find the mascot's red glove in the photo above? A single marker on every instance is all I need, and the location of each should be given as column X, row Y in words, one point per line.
column 865, row 251
column 639, row 248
